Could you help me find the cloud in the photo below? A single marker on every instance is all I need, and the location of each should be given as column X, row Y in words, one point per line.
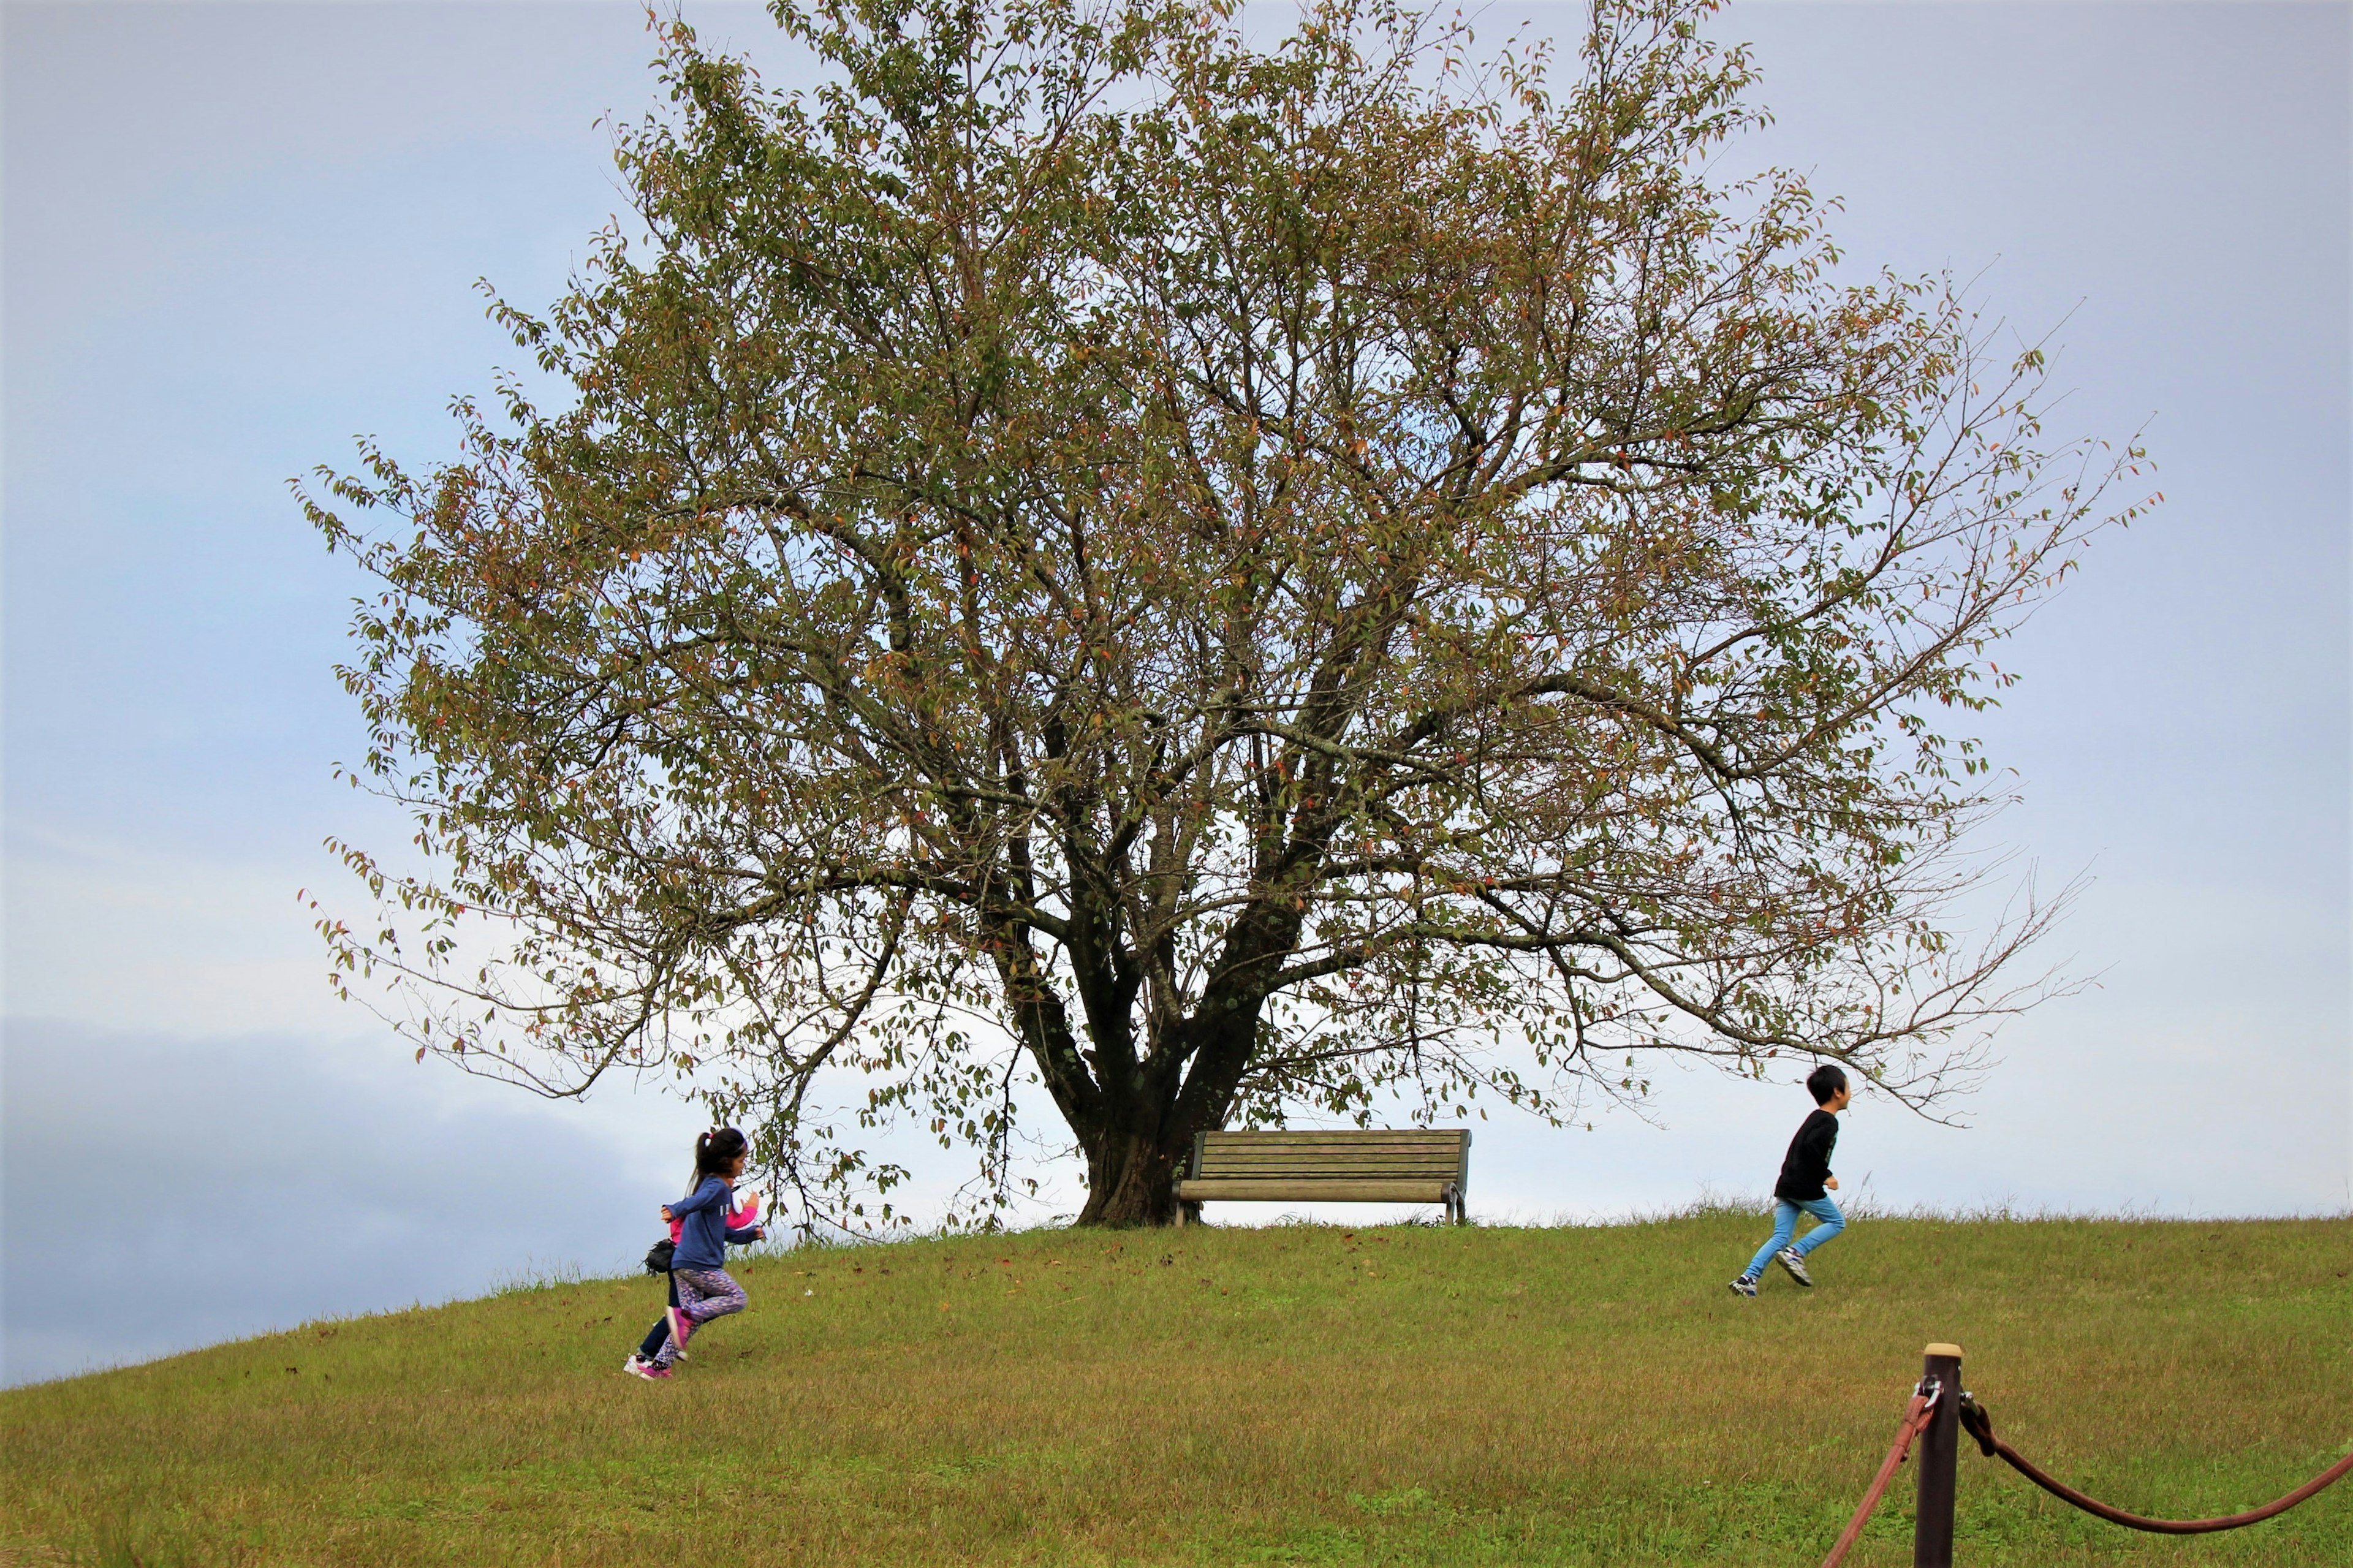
column 165, row 1192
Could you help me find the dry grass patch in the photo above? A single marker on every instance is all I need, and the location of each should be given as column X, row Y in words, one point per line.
column 1292, row 1394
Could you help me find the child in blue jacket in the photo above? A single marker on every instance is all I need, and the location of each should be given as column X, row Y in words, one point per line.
column 701, row 1287
column 743, row 1221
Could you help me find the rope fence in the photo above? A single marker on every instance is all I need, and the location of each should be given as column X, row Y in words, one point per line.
column 1978, row 1424
column 1933, row 1420
column 1917, row 1416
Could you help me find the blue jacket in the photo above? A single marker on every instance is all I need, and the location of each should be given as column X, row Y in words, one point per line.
column 702, row 1243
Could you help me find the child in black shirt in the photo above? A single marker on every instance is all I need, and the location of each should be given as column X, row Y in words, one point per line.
column 1806, row 1184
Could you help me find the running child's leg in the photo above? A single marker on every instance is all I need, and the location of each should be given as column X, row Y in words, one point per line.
column 702, row 1294
column 678, row 1321
column 1829, row 1222
column 660, row 1331
column 1785, row 1225
column 707, row 1293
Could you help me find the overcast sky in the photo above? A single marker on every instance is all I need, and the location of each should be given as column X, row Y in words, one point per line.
column 235, row 235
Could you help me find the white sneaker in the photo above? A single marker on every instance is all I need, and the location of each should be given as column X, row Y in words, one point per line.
column 1794, row 1261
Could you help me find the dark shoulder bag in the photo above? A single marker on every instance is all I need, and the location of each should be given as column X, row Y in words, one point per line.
column 659, row 1254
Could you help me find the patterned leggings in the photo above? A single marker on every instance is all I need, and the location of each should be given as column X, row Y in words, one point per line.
column 702, row 1294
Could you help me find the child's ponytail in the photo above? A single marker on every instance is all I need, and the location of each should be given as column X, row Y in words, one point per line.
column 716, row 1151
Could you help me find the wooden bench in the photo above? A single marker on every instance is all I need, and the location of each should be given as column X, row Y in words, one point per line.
column 1413, row 1166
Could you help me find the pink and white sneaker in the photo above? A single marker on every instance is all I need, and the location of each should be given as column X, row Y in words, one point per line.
column 681, row 1328
column 651, row 1371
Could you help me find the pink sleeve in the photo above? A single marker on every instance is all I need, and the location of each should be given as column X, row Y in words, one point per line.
column 746, row 1217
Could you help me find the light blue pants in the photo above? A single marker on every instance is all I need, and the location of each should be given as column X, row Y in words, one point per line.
column 1829, row 1222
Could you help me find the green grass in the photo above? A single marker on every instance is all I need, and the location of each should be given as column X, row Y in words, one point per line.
column 1296, row 1394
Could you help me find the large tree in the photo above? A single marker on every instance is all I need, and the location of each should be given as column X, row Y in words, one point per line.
column 1225, row 579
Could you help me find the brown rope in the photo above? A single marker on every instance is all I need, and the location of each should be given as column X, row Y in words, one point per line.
column 1980, row 1426
column 1917, row 1415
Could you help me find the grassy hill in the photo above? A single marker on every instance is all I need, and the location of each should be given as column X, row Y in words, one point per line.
column 1209, row 1396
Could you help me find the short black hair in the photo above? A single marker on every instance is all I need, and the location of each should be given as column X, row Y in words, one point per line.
column 1823, row 1082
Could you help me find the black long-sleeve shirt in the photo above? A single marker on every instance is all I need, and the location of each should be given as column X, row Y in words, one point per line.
column 1808, row 1163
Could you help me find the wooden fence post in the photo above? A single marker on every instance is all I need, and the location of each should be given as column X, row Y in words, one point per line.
column 1939, row 1448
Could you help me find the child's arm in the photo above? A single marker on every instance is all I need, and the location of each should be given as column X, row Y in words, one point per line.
column 711, row 1192
column 743, row 1225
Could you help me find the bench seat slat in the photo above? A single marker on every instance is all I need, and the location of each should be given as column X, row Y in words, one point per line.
column 1285, row 1139
column 1426, row 1178
column 1307, row 1151
column 1418, row 1146
column 1333, row 1152
column 1412, row 1156
column 1396, row 1151
column 1328, row 1164
column 1351, row 1191
column 1290, row 1161
column 1337, row 1150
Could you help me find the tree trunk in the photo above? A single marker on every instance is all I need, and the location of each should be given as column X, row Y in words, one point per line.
column 1136, row 1119
column 1131, row 1177
column 1136, row 1155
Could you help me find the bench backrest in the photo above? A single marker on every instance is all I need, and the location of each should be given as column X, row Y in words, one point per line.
column 1437, row 1155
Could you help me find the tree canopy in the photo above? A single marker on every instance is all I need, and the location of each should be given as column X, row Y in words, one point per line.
column 1226, row 579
